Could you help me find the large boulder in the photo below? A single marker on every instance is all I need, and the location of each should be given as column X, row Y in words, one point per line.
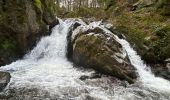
column 4, row 80
column 22, row 23
column 95, row 49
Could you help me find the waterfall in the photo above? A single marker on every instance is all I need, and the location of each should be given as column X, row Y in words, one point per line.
column 145, row 75
column 45, row 73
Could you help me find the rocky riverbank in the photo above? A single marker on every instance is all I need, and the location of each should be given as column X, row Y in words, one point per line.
column 22, row 24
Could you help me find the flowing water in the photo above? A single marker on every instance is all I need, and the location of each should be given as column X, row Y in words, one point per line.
column 46, row 74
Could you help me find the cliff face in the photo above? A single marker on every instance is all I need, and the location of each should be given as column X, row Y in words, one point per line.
column 22, row 23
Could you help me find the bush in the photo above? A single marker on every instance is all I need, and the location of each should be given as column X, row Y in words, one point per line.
column 163, row 6
column 162, row 47
column 38, row 4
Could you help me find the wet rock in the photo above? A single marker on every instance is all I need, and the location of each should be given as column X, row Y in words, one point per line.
column 84, row 77
column 167, row 61
column 2, row 62
column 95, row 49
column 95, row 75
column 161, row 71
column 116, row 32
column 22, row 24
column 76, row 25
column 69, row 43
column 168, row 66
column 4, row 80
column 52, row 24
column 92, row 76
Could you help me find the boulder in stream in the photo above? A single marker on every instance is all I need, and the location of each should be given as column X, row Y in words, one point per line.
column 94, row 48
column 4, row 79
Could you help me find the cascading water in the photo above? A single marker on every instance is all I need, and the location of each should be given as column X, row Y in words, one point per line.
column 45, row 73
column 145, row 75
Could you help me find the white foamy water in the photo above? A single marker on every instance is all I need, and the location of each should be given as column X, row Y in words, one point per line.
column 145, row 75
column 147, row 78
column 45, row 73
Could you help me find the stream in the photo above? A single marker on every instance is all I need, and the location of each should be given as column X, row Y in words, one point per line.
column 46, row 74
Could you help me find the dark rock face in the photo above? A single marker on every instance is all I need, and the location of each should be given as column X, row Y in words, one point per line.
column 69, row 43
column 161, row 71
column 103, row 53
column 22, row 23
column 4, row 80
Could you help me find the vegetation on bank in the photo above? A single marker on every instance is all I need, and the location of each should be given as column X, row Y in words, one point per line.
column 142, row 27
column 148, row 28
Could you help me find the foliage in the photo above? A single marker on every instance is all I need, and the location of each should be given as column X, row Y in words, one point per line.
column 8, row 46
column 38, row 4
column 163, row 7
column 148, row 30
column 162, row 47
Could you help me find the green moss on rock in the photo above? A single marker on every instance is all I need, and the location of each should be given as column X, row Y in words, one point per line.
column 38, row 4
column 97, row 52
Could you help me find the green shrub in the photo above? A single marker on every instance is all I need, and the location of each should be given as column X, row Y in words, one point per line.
column 162, row 46
column 38, row 4
column 163, row 6
column 71, row 14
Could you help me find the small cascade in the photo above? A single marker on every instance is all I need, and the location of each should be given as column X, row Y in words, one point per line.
column 145, row 75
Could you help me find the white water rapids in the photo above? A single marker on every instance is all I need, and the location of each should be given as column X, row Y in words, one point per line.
column 45, row 73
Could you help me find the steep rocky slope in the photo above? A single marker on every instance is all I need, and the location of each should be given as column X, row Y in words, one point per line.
column 22, row 23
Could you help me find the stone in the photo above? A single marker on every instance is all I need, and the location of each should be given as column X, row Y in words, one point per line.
column 167, row 61
column 84, row 77
column 4, row 80
column 69, row 43
column 168, row 66
column 94, row 49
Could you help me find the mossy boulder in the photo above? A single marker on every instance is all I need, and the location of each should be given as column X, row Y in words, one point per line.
column 94, row 49
column 22, row 23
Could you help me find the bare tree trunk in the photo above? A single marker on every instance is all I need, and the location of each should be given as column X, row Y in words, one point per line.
column 80, row 2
